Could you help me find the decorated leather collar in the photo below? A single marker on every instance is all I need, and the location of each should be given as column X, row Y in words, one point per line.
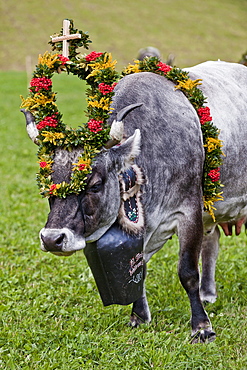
column 131, row 214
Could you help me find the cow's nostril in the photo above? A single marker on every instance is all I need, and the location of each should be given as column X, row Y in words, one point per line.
column 53, row 242
column 60, row 239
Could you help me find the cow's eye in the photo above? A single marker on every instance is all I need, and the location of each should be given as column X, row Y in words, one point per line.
column 96, row 187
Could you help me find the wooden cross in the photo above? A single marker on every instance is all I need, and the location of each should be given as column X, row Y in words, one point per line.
column 66, row 38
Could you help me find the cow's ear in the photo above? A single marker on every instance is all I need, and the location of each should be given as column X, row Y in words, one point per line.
column 123, row 155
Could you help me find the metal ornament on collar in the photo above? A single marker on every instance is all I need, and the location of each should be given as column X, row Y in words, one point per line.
column 131, row 214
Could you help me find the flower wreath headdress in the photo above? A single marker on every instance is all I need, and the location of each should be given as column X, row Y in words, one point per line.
column 98, row 69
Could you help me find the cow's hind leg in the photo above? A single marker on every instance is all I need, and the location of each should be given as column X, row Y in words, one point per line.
column 190, row 238
column 140, row 310
column 210, row 248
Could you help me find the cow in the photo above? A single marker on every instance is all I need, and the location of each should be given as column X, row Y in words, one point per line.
column 162, row 135
column 147, row 52
column 151, row 51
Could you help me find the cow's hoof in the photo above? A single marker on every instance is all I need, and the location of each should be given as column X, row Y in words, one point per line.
column 208, row 297
column 203, row 336
column 136, row 321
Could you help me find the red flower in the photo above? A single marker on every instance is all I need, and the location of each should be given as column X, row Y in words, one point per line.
column 82, row 166
column 47, row 121
column 92, row 56
column 164, row 67
column 43, row 164
column 94, row 126
column 40, row 83
column 106, row 89
column 52, row 188
column 204, row 115
column 63, row 59
column 214, row 174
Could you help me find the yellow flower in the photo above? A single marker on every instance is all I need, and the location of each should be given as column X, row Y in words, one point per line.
column 98, row 66
column 28, row 103
column 81, row 61
column 31, row 103
column 208, row 204
column 54, row 187
column 48, row 59
column 51, row 137
column 188, row 84
column 213, row 144
column 132, row 68
column 82, row 165
column 103, row 103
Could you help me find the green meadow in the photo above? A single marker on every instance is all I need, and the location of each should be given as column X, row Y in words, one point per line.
column 51, row 315
column 193, row 31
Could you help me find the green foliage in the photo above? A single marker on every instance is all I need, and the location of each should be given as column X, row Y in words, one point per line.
column 51, row 316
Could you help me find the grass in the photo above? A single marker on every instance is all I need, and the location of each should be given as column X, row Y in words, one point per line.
column 194, row 31
column 51, row 316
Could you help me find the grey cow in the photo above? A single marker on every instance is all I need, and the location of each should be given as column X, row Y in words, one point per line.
column 163, row 136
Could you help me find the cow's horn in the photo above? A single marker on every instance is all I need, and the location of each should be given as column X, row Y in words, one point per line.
column 123, row 112
column 117, row 128
column 30, row 125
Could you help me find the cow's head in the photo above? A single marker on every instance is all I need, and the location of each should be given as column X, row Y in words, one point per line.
column 85, row 217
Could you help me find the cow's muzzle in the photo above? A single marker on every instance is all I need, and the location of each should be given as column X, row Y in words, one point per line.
column 62, row 242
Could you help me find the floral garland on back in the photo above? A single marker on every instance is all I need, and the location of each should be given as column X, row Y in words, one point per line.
column 212, row 144
column 98, row 69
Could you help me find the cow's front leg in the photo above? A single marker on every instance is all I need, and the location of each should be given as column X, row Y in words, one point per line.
column 140, row 311
column 210, row 248
column 190, row 238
